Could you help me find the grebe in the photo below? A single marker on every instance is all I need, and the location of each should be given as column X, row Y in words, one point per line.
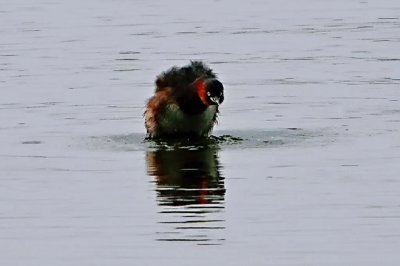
column 185, row 103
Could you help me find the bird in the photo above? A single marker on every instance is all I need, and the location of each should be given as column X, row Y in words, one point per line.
column 185, row 102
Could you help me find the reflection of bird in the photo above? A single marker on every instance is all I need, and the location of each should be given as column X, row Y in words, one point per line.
column 190, row 193
column 185, row 177
column 185, row 103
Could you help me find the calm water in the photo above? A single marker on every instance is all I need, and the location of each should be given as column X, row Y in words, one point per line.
column 312, row 91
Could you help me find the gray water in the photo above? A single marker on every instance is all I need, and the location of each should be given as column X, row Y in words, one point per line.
column 306, row 171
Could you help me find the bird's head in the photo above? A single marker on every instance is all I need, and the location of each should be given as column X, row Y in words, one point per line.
column 210, row 91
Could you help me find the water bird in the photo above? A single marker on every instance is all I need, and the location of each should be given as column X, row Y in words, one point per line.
column 185, row 102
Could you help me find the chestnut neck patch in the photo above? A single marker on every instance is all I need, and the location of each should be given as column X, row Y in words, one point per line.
column 201, row 89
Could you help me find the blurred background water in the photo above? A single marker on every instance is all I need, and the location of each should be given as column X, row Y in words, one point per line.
column 312, row 89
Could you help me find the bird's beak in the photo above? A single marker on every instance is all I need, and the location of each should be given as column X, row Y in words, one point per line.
column 215, row 100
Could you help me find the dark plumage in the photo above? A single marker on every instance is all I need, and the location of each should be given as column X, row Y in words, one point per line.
column 178, row 77
column 185, row 103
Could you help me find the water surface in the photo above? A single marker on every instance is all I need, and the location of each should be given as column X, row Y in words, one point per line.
column 303, row 169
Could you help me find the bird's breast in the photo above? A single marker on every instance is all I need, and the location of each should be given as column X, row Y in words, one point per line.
column 174, row 121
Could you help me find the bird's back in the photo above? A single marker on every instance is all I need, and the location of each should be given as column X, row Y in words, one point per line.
column 181, row 78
